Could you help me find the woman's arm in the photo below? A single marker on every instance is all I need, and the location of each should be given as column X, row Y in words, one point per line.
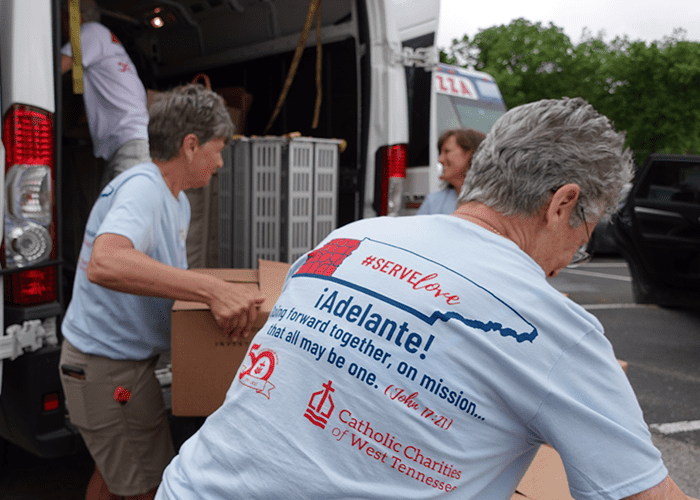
column 117, row 265
column 665, row 490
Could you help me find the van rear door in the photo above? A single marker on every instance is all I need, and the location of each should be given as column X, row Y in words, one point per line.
column 32, row 411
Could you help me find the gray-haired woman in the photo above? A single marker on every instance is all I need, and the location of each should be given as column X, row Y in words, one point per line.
column 548, row 159
column 502, row 359
column 132, row 267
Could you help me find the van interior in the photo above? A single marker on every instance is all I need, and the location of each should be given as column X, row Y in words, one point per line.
column 246, row 49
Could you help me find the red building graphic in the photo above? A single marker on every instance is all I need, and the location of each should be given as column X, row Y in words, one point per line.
column 326, row 259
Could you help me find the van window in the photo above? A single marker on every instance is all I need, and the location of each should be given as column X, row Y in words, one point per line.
column 673, row 181
column 466, row 99
column 455, row 112
column 418, row 93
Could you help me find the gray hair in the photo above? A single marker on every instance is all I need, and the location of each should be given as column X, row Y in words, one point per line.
column 89, row 11
column 188, row 109
column 536, row 148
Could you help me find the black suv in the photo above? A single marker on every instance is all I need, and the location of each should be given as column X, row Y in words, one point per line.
column 658, row 231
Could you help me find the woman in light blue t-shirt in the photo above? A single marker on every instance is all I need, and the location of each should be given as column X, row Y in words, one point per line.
column 456, row 148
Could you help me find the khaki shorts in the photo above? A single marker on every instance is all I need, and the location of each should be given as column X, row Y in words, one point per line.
column 130, row 442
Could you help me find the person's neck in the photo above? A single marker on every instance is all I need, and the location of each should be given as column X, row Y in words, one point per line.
column 171, row 171
column 457, row 185
column 523, row 230
column 483, row 216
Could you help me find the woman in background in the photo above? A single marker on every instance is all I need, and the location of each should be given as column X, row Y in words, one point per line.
column 456, row 149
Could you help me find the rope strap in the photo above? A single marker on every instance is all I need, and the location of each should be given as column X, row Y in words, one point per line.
column 74, row 26
column 314, row 6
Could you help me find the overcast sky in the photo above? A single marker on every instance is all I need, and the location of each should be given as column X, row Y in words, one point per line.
column 638, row 19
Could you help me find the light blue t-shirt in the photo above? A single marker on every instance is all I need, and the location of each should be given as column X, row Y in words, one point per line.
column 138, row 205
column 439, row 202
column 410, row 357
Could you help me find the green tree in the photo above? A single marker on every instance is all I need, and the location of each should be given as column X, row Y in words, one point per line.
column 655, row 95
column 652, row 91
column 460, row 53
column 528, row 61
column 589, row 70
column 531, row 62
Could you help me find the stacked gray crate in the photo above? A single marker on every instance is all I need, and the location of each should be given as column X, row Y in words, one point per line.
column 325, row 188
column 299, row 183
column 267, row 157
column 226, row 209
column 281, row 199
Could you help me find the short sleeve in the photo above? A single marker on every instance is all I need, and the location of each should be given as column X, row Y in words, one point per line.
column 592, row 418
column 133, row 212
column 67, row 50
column 91, row 39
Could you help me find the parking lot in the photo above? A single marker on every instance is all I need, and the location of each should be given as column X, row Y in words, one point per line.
column 661, row 346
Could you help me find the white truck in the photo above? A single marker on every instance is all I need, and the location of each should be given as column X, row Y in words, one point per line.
column 378, row 95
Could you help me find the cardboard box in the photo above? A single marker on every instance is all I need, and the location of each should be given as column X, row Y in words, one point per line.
column 204, row 362
column 545, row 479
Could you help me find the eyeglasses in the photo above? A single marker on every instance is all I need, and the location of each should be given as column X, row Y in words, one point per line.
column 581, row 256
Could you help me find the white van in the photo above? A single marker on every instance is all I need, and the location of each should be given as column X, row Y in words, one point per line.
column 238, row 43
column 458, row 98
column 376, row 98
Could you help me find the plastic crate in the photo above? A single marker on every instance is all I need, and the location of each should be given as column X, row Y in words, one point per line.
column 225, row 210
column 234, row 206
column 325, row 189
column 298, row 182
column 267, row 157
column 277, row 199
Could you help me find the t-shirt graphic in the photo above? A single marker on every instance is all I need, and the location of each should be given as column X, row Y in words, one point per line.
column 352, row 262
column 411, row 357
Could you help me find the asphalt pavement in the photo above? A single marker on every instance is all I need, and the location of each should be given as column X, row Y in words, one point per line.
column 662, row 348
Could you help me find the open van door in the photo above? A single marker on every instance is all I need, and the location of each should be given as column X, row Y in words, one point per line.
column 32, row 410
column 400, row 95
column 239, row 44
column 659, row 231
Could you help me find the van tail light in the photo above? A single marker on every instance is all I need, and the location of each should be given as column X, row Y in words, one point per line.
column 393, row 173
column 30, row 209
column 32, row 287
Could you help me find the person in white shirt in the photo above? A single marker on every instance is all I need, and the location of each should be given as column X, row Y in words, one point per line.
column 114, row 96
